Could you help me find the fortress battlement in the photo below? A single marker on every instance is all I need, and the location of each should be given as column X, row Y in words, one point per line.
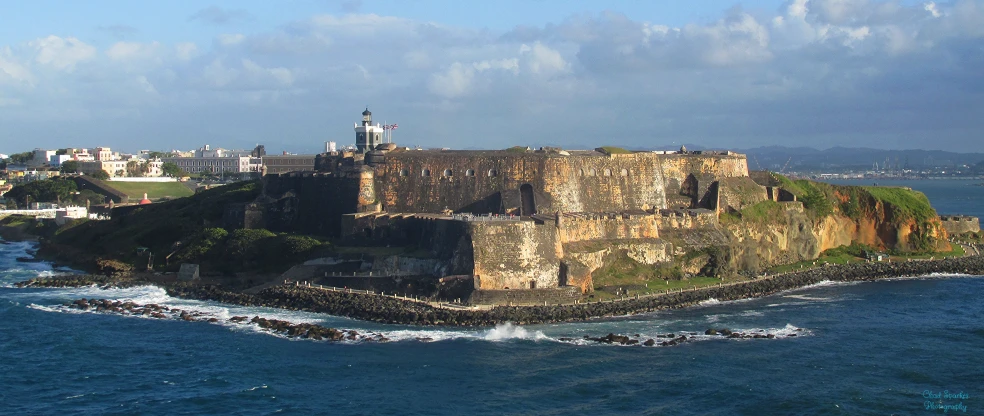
column 504, row 216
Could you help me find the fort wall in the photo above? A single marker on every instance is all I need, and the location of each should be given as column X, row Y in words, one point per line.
column 685, row 219
column 515, row 254
column 959, row 224
column 491, row 182
column 575, row 227
column 735, row 193
column 310, row 203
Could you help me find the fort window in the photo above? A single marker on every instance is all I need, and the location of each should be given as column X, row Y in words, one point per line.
column 404, row 172
column 608, row 172
column 493, row 172
column 470, row 172
column 425, row 172
column 625, row 172
column 580, row 172
column 591, row 172
column 448, row 172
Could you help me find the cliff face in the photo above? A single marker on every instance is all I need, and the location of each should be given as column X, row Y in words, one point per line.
column 783, row 233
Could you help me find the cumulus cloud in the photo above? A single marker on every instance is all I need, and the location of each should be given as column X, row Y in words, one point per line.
column 11, row 70
column 815, row 72
column 61, row 53
column 185, row 50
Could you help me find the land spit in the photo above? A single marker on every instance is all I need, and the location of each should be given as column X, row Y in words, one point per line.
column 371, row 307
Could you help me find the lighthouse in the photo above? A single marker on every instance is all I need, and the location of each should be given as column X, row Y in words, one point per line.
column 367, row 136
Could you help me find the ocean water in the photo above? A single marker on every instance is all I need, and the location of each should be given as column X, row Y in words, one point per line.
column 904, row 346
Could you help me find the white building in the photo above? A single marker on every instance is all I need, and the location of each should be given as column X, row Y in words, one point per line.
column 63, row 215
column 368, row 136
column 111, row 167
column 235, row 164
column 208, row 151
column 57, row 160
column 103, row 153
column 41, row 157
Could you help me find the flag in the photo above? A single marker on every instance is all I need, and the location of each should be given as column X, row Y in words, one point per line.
column 393, row 126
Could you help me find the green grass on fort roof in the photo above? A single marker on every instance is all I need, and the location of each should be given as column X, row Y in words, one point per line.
column 907, row 203
column 612, row 150
column 154, row 190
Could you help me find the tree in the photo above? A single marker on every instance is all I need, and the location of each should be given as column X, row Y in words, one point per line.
column 134, row 168
column 70, row 166
column 158, row 155
column 48, row 190
column 87, row 195
column 21, row 158
column 172, row 170
column 100, row 174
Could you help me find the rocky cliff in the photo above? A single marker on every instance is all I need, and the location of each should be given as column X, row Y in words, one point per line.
column 825, row 217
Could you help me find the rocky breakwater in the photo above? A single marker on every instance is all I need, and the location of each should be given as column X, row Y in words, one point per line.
column 671, row 339
column 284, row 328
column 389, row 310
column 80, row 280
column 376, row 308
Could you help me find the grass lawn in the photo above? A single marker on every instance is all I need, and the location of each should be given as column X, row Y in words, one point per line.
column 661, row 285
column 154, row 190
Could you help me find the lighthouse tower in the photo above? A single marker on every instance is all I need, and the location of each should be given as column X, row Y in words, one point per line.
column 368, row 136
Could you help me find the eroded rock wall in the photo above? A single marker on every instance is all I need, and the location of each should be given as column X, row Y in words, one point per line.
column 514, row 254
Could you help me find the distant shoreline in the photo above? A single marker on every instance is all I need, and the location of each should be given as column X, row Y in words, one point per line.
column 371, row 307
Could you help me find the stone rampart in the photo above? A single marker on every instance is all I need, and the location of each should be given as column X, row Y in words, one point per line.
column 959, row 224
column 492, row 182
column 586, row 226
column 515, row 254
column 307, row 202
column 100, row 187
column 550, row 296
column 685, row 219
column 739, row 192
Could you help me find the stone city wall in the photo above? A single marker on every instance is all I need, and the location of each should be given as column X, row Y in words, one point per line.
column 737, row 193
column 585, row 226
column 959, row 224
column 515, row 254
column 685, row 219
column 484, row 182
column 311, row 203
column 552, row 296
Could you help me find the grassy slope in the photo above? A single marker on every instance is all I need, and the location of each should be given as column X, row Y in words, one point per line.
column 154, row 190
column 156, row 226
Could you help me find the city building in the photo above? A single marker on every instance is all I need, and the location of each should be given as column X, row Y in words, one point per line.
column 234, row 164
column 288, row 163
column 111, row 167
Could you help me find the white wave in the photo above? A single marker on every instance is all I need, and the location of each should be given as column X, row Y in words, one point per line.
column 810, row 298
column 501, row 333
column 709, row 302
column 716, row 317
column 509, row 331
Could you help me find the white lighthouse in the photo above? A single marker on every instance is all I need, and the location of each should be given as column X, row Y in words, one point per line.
column 368, row 136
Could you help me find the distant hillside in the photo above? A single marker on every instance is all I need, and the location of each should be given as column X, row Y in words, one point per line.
column 838, row 158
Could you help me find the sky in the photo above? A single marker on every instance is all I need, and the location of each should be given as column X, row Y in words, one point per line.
column 292, row 74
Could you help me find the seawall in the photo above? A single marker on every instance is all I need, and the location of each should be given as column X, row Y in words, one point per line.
column 390, row 310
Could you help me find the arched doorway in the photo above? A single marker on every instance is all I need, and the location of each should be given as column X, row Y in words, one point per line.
column 528, row 203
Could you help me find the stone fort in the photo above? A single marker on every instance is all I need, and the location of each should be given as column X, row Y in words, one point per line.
column 509, row 219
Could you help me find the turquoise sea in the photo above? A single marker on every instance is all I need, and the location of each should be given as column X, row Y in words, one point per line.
column 905, row 346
